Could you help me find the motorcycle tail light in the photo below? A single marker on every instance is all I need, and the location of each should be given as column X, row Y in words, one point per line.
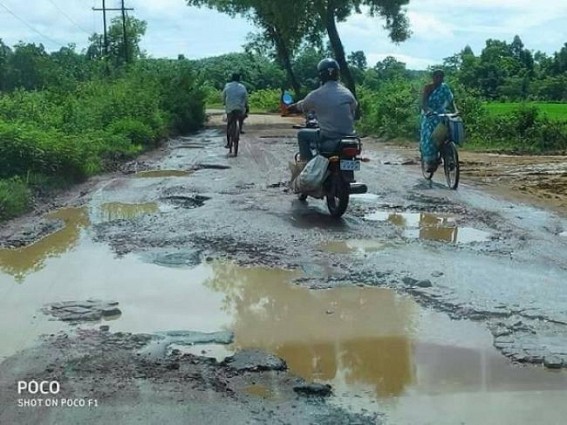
column 350, row 151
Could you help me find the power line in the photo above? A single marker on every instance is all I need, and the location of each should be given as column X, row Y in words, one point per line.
column 69, row 18
column 30, row 26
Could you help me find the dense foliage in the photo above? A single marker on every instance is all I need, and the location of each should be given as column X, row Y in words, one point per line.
column 64, row 117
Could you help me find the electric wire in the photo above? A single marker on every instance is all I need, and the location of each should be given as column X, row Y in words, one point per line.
column 69, row 18
column 51, row 40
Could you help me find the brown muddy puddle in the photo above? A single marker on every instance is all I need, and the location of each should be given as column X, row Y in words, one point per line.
column 432, row 227
column 19, row 262
column 162, row 173
column 372, row 345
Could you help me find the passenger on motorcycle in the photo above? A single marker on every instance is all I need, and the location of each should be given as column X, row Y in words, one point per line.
column 235, row 100
column 335, row 107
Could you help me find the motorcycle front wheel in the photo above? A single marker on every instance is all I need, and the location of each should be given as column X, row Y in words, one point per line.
column 337, row 196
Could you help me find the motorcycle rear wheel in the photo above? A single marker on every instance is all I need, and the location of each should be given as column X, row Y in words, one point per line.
column 337, row 196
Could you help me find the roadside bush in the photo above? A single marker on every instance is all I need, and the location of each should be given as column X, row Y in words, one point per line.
column 391, row 111
column 265, row 100
column 137, row 132
column 15, row 198
column 212, row 96
column 521, row 131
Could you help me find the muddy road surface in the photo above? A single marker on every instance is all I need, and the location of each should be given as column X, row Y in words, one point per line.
column 192, row 287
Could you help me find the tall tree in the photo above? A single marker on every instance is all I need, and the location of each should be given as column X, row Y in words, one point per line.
column 5, row 54
column 135, row 29
column 333, row 11
column 283, row 25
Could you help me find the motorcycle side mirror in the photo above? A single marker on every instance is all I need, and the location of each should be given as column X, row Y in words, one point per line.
column 287, row 99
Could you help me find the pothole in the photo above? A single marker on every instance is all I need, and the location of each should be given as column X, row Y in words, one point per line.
column 429, row 226
column 19, row 262
column 366, row 342
column 194, row 201
column 162, row 173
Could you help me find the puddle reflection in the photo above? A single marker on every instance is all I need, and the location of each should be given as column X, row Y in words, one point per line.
column 433, row 227
column 359, row 335
column 19, row 262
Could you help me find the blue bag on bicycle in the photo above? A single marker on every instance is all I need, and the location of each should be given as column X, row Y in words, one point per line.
column 456, row 130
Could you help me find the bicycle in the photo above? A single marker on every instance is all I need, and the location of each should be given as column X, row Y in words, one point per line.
column 233, row 131
column 448, row 156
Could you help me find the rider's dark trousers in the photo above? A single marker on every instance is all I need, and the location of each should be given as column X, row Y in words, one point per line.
column 308, row 137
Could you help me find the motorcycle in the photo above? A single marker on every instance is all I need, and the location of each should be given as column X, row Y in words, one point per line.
column 339, row 182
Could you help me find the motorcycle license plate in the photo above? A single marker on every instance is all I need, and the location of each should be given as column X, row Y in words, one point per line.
column 348, row 165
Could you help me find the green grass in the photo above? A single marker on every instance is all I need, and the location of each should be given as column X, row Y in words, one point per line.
column 554, row 111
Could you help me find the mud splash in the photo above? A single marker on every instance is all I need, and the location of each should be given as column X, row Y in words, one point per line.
column 433, row 227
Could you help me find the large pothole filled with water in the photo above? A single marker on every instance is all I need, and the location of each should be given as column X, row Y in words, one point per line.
column 373, row 346
column 430, row 226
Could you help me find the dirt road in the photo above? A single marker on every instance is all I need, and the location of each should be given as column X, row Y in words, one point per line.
column 192, row 287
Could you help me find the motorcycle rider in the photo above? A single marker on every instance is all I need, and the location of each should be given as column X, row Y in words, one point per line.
column 235, row 100
column 335, row 107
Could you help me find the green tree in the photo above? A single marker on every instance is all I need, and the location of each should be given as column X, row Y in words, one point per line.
column 118, row 52
column 283, row 25
column 333, row 11
column 258, row 72
column 390, row 69
column 358, row 60
column 5, row 56
column 29, row 67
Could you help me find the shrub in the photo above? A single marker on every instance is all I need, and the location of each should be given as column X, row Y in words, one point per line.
column 265, row 100
column 391, row 111
column 134, row 130
column 15, row 198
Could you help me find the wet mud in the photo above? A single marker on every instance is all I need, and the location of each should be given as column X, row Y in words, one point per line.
column 231, row 291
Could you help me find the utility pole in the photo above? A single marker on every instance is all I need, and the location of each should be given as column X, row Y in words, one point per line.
column 122, row 9
column 124, row 32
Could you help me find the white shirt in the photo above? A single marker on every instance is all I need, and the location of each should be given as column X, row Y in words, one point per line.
column 335, row 107
column 234, row 97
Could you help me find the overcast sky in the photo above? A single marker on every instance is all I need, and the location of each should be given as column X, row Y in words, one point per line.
column 440, row 27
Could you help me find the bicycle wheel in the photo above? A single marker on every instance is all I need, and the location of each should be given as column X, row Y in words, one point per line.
column 236, row 137
column 451, row 165
column 232, row 127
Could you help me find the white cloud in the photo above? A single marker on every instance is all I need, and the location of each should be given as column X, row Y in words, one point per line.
column 440, row 27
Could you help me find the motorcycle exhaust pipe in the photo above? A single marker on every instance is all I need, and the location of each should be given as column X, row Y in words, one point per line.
column 357, row 189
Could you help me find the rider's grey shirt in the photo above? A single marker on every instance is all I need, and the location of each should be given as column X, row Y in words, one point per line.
column 234, row 96
column 335, row 107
